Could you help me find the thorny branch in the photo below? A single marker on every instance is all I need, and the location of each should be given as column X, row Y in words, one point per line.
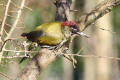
column 4, row 44
column 16, row 6
column 100, row 10
column 4, row 19
column 17, row 19
column 13, row 26
column 60, row 54
column 36, row 65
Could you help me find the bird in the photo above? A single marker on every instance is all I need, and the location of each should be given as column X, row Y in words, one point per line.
column 53, row 33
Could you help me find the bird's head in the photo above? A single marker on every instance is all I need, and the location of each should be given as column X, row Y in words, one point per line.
column 70, row 26
column 73, row 26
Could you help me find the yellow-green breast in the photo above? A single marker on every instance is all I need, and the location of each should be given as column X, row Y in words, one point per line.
column 53, row 34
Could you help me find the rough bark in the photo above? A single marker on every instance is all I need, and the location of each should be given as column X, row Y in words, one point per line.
column 36, row 65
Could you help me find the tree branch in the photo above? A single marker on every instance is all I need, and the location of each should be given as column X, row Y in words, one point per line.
column 100, row 10
column 13, row 26
column 4, row 19
column 62, row 10
column 36, row 65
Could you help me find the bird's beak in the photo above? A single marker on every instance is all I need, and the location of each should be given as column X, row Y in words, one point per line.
column 83, row 34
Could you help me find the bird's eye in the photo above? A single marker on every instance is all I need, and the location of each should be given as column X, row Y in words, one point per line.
column 74, row 30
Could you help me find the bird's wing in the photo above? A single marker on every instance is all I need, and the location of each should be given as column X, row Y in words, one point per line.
column 53, row 34
column 34, row 35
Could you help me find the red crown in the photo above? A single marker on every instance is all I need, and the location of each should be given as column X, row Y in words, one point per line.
column 69, row 23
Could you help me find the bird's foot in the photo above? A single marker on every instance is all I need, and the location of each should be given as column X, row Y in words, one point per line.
column 60, row 45
column 70, row 57
column 32, row 46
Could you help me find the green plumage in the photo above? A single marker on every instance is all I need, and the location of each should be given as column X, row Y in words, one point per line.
column 48, row 34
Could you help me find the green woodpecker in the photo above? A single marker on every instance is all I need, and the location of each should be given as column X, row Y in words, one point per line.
column 53, row 33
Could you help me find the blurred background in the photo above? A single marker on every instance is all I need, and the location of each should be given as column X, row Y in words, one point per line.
column 104, row 41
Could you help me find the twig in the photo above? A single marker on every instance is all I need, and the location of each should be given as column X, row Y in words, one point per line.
column 6, row 76
column 28, row 8
column 14, row 25
column 101, row 9
column 16, row 6
column 84, row 56
column 11, row 16
column 5, row 32
column 17, row 19
column 15, row 50
column 95, row 56
column 20, row 51
column 36, row 65
column 106, row 30
column 14, row 17
column 4, row 44
column 5, row 17
column 11, row 57
column 19, row 7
